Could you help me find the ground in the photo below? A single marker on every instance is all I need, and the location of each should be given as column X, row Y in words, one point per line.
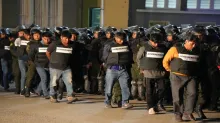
column 89, row 109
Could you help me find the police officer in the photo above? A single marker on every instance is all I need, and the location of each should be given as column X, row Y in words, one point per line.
column 75, row 61
column 59, row 53
column 94, row 60
column 182, row 63
column 15, row 68
column 36, row 38
column 137, row 89
column 172, row 35
column 117, row 56
column 149, row 60
column 5, row 57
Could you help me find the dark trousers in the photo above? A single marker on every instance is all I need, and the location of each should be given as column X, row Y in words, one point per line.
column 30, row 74
column 154, row 91
column 17, row 75
column 178, row 84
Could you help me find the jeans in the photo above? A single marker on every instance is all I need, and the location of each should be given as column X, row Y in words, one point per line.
column 4, row 64
column 23, row 70
column 123, row 77
column 43, row 73
column 55, row 74
column 178, row 84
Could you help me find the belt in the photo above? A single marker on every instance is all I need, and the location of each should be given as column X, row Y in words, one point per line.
column 117, row 67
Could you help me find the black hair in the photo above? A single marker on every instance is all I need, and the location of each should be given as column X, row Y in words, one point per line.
column 66, row 33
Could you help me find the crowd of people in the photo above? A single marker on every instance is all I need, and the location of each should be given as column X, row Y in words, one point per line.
column 160, row 65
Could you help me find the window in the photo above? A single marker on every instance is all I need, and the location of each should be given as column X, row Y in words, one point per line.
column 149, row 3
column 172, row 4
column 216, row 4
column 191, row 4
column 205, row 4
column 160, row 3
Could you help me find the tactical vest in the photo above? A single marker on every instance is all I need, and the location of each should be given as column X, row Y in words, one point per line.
column 40, row 57
column 22, row 49
column 119, row 55
column 153, row 58
column 60, row 57
column 187, row 63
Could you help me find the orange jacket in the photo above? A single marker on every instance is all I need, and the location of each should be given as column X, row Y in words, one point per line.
column 172, row 53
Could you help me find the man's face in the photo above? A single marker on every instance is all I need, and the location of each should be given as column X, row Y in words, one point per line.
column 3, row 35
column 189, row 45
column 199, row 35
column 169, row 38
column 153, row 43
column 20, row 33
column 108, row 35
column 46, row 40
column 118, row 40
column 36, row 36
column 96, row 35
column 134, row 35
column 73, row 38
column 27, row 36
column 64, row 40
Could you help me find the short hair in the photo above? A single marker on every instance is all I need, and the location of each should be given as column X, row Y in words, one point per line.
column 66, row 33
column 120, row 35
column 156, row 37
column 191, row 37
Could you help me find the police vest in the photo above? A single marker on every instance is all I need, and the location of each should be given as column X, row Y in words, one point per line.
column 119, row 55
column 153, row 58
column 40, row 57
column 187, row 63
column 60, row 57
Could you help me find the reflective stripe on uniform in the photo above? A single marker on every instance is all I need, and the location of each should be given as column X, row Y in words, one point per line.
column 24, row 42
column 119, row 49
column 42, row 49
column 154, row 54
column 64, row 50
column 7, row 47
column 187, row 57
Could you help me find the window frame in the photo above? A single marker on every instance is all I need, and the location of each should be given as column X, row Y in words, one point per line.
column 166, row 5
column 199, row 6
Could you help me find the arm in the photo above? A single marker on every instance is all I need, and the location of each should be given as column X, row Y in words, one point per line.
column 50, row 49
column 48, row 55
column 168, row 58
column 140, row 55
column 105, row 52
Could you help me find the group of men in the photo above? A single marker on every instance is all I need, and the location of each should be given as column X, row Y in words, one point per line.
column 159, row 64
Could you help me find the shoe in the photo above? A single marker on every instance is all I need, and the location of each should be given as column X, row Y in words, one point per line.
column 27, row 92
column 71, row 99
column 161, row 108
column 108, row 106
column 200, row 113
column 60, row 96
column 188, row 117
column 119, row 104
column 22, row 92
column 151, row 111
column 127, row 106
column 47, row 97
column 53, row 99
column 178, row 118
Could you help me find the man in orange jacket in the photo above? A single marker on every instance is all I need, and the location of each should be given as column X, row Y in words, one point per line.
column 182, row 63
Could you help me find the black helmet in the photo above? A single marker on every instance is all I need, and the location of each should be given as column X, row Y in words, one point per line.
column 171, row 30
column 20, row 28
column 74, row 31
column 33, row 25
column 58, row 30
column 47, row 34
column 120, row 35
column 5, row 31
column 35, row 30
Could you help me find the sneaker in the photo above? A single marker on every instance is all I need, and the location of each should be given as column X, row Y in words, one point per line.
column 188, row 117
column 127, row 106
column 108, row 106
column 22, row 92
column 60, row 96
column 71, row 99
column 178, row 118
column 53, row 99
column 151, row 111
